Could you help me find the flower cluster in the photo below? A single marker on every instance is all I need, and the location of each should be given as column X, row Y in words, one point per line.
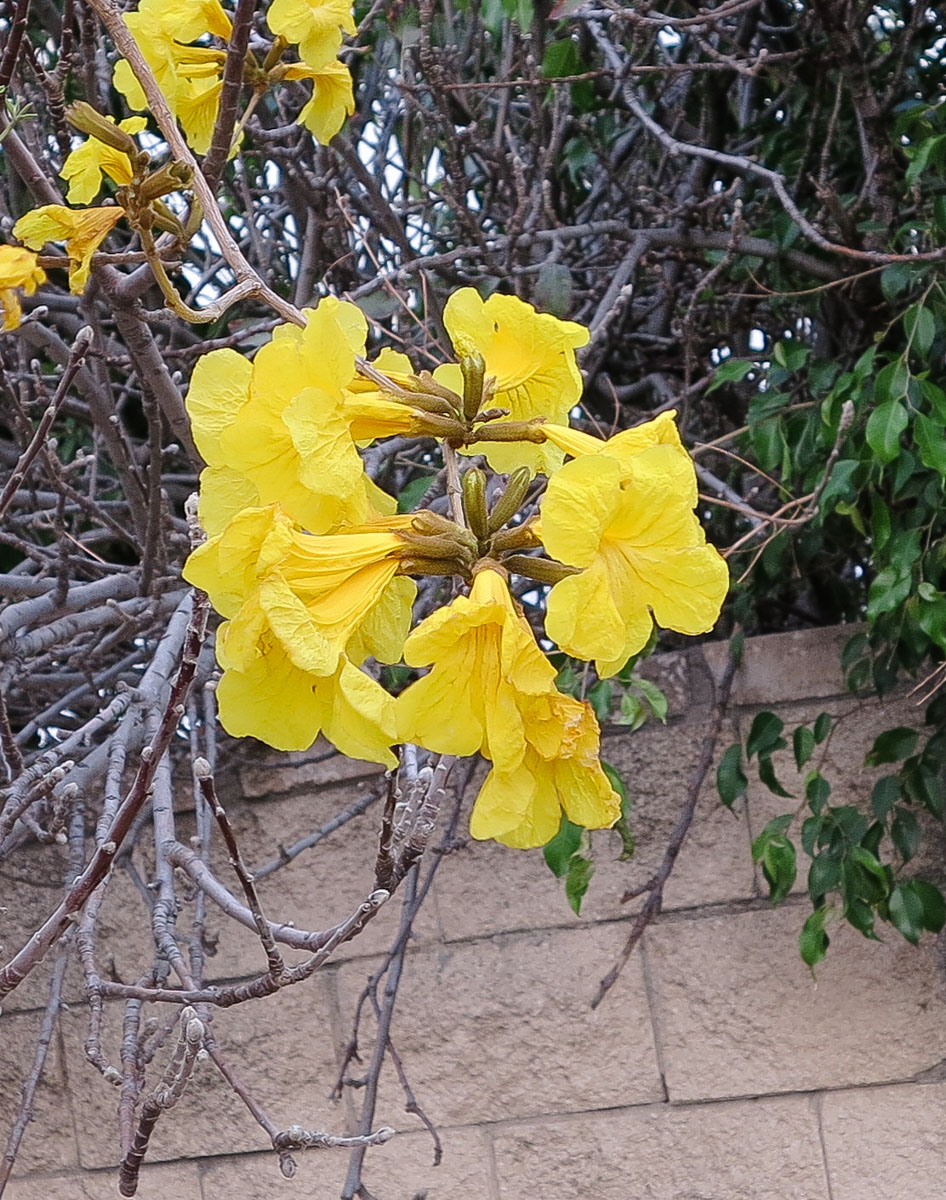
column 312, row 567
column 191, row 76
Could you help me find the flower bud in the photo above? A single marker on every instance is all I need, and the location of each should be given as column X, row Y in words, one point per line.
column 543, row 570
column 473, row 366
column 83, row 117
column 511, row 500
column 474, row 502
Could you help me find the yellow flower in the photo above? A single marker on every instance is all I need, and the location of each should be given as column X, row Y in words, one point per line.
column 631, row 529
column 332, row 98
column 532, row 357
column 316, row 25
column 485, row 659
column 18, row 270
column 311, row 593
column 623, row 446
column 276, row 430
column 273, row 700
column 190, row 77
column 83, row 230
column 85, row 166
column 560, row 770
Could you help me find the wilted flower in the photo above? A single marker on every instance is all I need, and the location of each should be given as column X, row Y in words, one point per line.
column 82, row 229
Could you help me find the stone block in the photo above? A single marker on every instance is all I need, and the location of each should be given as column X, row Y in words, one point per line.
column 738, row 1013
column 886, row 1143
column 400, row 1168
column 779, row 667
column 282, row 1048
column 749, row 1150
column 320, row 887
column 174, row 1182
column 486, row 888
column 504, row 1028
column 49, row 1141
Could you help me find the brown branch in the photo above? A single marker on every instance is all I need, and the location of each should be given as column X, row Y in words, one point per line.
column 216, row 157
column 655, row 886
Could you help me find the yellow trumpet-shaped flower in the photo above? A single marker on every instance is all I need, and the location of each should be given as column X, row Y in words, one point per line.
column 190, row 77
column 485, row 659
column 19, row 271
column 315, row 25
column 273, row 700
column 531, row 355
column 311, row 594
column 85, row 166
column 276, row 430
column 623, row 446
column 642, row 554
column 82, row 229
column 332, row 98
column 559, row 770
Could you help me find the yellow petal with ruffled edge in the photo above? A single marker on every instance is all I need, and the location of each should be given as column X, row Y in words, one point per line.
column 484, row 658
column 332, row 99
column 288, row 708
column 633, row 530
column 531, row 355
column 82, row 229
column 560, row 770
column 623, row 446
column 315, row 25
column 228, row 566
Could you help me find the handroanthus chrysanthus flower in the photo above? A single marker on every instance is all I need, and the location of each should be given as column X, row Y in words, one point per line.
column 276, row 431
column 82, row 229
column 531, row 355
column 628, row 525
column 491, row 689
column 19, row 272
column 560, row 771
column 85, row 166
column 190, row 77
column 332, row 98
column 316, row 26
column 302, row 613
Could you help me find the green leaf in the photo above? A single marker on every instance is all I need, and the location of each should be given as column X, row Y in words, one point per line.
column 623, row 823
column 893, row 382
column 558, row 852
column 731, row 370
column 778, row 866
column 823, row 726
column 553, row 288
column 768, row 777
column 580, row 871
column 905, row 911
column 888, row 590
column 920, row 326
column 813, row 942
column 412, row 493
column 891, row 746
column 885, row 795
column 803, row 745
column 905, row 833
column 765, row 734
column 599, row 697
column 731, row 781
column 791, row 355
column 884, row 427
column 934, row 907
column 824, row 875
column 931, row 443
column 654, row 697
column 817, row 791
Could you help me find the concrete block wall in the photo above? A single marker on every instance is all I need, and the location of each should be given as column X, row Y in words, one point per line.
column 716, row 1069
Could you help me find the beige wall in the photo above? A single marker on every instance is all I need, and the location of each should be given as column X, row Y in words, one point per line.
column 717, row 1069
